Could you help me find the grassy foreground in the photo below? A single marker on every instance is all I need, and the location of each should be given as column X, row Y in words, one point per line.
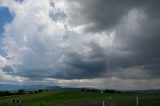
column 52, row 98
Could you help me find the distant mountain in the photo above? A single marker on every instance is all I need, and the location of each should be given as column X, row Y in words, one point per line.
column 53, row 87
column 62, row 88
column 17, row 87
column 33, row 87
column 8, row 87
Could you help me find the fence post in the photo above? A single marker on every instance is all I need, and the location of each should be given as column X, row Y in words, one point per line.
column 137, row 102
column 103, row 103
column 110, row 97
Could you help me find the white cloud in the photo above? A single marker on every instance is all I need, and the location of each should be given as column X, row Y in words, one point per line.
column 3, row 61
column 11, row 79
column 33, row 36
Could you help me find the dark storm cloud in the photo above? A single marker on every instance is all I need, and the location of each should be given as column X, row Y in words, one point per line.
column 7, row 69
column 76, row 66
column 105, row 14
column 88, row 66
column 143, row 43
column 138, row 46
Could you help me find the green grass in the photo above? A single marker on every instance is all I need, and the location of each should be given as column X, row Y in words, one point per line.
column 51, row 98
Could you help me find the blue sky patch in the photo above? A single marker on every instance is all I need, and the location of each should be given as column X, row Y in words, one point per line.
column 5, row 17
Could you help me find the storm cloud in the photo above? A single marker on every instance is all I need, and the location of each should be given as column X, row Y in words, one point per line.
column 135, row 24
column 100, row 15
column 84, row 40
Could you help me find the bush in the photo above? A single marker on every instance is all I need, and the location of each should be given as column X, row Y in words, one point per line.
column 40, row 90
column 21, row 91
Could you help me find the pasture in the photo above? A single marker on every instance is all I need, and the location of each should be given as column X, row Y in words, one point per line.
column 53, row 98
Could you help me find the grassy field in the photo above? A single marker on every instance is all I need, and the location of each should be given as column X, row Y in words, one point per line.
column 52, row 98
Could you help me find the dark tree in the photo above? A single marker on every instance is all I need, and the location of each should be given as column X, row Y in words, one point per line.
column 40, row 90
column 21, row 91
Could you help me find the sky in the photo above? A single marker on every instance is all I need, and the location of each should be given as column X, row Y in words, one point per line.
column 6, row 17
column 106, row 44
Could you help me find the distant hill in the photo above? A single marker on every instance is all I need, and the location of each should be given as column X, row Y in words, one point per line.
column 62, row 88
column 33, row 87
column 17, row 87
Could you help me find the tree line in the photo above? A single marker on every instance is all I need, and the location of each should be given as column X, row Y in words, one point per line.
column 20, row 92
column 100, row 91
